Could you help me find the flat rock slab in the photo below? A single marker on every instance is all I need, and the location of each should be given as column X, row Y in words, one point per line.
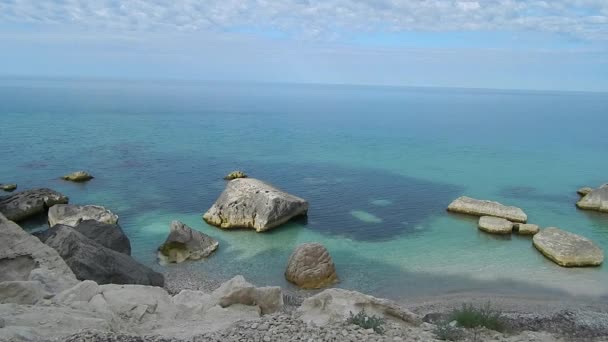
column 527, row 229
column 24, row 204
column 495, row 225
column 78, row 176
column 568, row 249
column 251, row 203
column 471, row 206
column 595, row 200
column 71, row 215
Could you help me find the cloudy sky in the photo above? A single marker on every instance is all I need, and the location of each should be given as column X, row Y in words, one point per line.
column 552, row 44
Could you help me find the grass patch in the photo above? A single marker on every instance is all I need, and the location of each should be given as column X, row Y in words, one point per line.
column 471, row 317
column 367, row 322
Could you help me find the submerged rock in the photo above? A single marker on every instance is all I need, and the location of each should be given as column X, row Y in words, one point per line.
column 251, row 203
column 584, row 191
column 336, row 305
column 310, row 267
column 72, row 215
column 185, row 243
column 78, row 176
column 527, row 229
column 235, row 174
column 595, row 200
column 29, row 203
column 568, row 249
column 364, row 216
column 90, row 260
column 471, row 206
column 8, row 187
column 495, row 225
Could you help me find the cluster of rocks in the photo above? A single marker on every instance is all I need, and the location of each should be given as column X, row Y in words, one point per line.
column 564, row 248
column 594, row 199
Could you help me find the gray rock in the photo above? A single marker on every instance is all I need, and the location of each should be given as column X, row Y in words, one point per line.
column 8, row 187
column 584, row 191
column 495, row 225
column 22, row 292
column 108, row 235
column 568, row 249
column 78, row 176
column 311, row 267
column 595, row 200
column 235, row 174
column 72, row 215
column 471, row 206
column 23, row 257
column 238, row 291
column 84, row 291
column 527, row 228
column 28, row 203
column 185, row 243
column 90, row 260
column 251, row 203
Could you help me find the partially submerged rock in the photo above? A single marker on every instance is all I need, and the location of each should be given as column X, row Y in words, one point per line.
column 595, row 200
column 8, row 187
column 78, row 176
column 72, row 215
column 584, row 190
column 29, row 203
column 90, row 260
column 185, row 243
column 495, row 225
column 251, row 203
column 311, row 267
column 568, row 249
column 471, row 206
column 336, row 305
column 527, row 228
column 235, row 174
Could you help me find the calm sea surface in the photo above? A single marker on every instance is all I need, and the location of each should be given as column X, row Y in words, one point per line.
column 378, row 165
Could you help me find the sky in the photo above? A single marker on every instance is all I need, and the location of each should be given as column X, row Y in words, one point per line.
column 511, row 44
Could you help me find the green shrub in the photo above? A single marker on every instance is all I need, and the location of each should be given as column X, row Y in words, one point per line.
column 484, row 316
column 446, row 332
column 367, row 322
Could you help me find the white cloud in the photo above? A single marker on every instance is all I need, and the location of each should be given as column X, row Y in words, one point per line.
column 319, row 19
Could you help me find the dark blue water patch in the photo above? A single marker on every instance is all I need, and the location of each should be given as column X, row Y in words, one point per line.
column 533, row 194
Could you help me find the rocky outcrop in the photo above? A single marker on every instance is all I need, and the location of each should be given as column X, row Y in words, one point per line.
column 595, row 200
column 22, row 292
column 584, row 191
column 235, row 174
column 90, row 260
column 567, row 249
column 238, row 291
column 108, row 235
column 78, row 176
column 311, row 267
column 251, row 203
column 29, row 203
column 335, row 305
column 471, row 206
column 185, row 243
column 526, row 229
column 71, row 215
column 495, row 225
column 8, row 187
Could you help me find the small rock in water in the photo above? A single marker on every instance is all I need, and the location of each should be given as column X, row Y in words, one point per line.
column 235, row 174
column 495, row 225
column 8, row 187
column 78, row 176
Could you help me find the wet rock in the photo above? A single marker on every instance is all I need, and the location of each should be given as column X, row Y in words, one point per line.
column 185, row 243
column 311, row 267
column 568, row 249
column 471, row 206
column 24, row 204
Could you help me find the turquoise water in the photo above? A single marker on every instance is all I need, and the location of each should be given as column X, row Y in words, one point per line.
column 379, row 165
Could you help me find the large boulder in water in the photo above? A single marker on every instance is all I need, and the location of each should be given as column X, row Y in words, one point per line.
column 72, row 215
column 185, row 243
column 90, row 260
column 595, row 200
column 29, row 203
column 24, row 258
column 471, row 206
column 495, row 225
column 310, row 266
column 251, row 203
column 108, row 235
column 567, row 249
column 78, row 176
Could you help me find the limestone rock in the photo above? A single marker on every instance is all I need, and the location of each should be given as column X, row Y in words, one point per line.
column 72, row 215
column 495, row 225
column 238, row 291
column 138, row 302
column 527, row 229
column 24, row 204
column 584, row 191
column 568, row 249
column 22, row 292
column 251, row 203
column 471, row 206
column 23, row 257
column 84, row 291
column 90, row 260
column 8, row 187
column 595, row 200
column 235, row 174
column 311, row 267
column 78, row 176
column 335, row 306
column 108, row 235
column 185, row 243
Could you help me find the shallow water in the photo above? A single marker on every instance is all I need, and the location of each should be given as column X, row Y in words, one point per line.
column 379, row 165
